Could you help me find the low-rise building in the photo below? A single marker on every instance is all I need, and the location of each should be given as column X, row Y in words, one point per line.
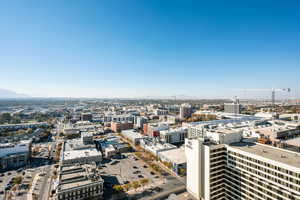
column 133, row 136
column 176, row 158
column 71, row 131
column 110, row 151
column 83, row 156
column 86, row 117
column 154, row 146
column 173, row 136
column 87, row 138
column 120, row 126
column 23, row 126
column 79, row 182
column 14, row 155
column 153, row 129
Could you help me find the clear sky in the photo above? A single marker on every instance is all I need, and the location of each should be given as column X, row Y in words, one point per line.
column 136, row 48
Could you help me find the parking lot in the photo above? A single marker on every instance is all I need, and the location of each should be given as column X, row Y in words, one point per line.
column 127, row 169
column 5, row 178
column 38, row 164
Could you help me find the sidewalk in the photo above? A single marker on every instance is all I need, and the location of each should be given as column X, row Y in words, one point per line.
column 140, row 189
column 30, row 192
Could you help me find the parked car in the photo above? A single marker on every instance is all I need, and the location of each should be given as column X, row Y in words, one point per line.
column 158, row 189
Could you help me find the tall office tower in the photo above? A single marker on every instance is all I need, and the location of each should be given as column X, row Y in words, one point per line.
column 185, row 111
column 241, row 170
column 234, row 107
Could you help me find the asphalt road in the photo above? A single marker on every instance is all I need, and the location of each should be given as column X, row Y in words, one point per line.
column 44, row 184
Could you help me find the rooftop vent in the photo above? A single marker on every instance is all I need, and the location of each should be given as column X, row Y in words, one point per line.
column 283, row 156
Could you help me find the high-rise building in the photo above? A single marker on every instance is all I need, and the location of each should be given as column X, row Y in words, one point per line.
column 234, row 107
column 241, row 170
column 185, row 111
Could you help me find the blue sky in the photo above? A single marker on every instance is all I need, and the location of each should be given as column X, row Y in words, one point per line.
column 136, row 48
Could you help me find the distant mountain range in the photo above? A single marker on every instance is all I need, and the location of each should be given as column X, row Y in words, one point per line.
column 5, row 94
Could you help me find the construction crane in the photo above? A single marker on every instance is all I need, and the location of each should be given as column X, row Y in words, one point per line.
column 272, row 90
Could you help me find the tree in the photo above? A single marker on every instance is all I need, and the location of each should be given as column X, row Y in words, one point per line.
column 118, row 188
column 135, row 184
column 144, row 181
column 182, row 171
column 127, row 187
column 17, row 180
column 168, row 164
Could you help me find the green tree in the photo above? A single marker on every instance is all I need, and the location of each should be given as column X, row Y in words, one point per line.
column 5, row 118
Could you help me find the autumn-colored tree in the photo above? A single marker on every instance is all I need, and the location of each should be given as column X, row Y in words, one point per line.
column 117, row 188
column 135, row 184
column 144, row 181
column 127, row 187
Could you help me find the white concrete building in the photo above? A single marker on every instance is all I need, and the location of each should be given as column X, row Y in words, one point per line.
column 133, row 136
column 176, row 157
column 154, row 146
column 83, row 156
column 110, row 151
column 173, row 136
column 14, row 155
column 241, row 171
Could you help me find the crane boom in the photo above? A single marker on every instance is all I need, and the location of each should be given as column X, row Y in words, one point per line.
column 273, row 90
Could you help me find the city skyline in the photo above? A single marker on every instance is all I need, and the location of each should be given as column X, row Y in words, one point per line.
column 135, row 49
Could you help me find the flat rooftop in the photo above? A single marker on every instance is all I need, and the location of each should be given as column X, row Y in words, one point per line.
column 75, row 176
column 294, row 142
column 68, row 155
column 235, row 119
column 74, row 184
column 226, row 131
column 269, row 152
column 175, row 155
